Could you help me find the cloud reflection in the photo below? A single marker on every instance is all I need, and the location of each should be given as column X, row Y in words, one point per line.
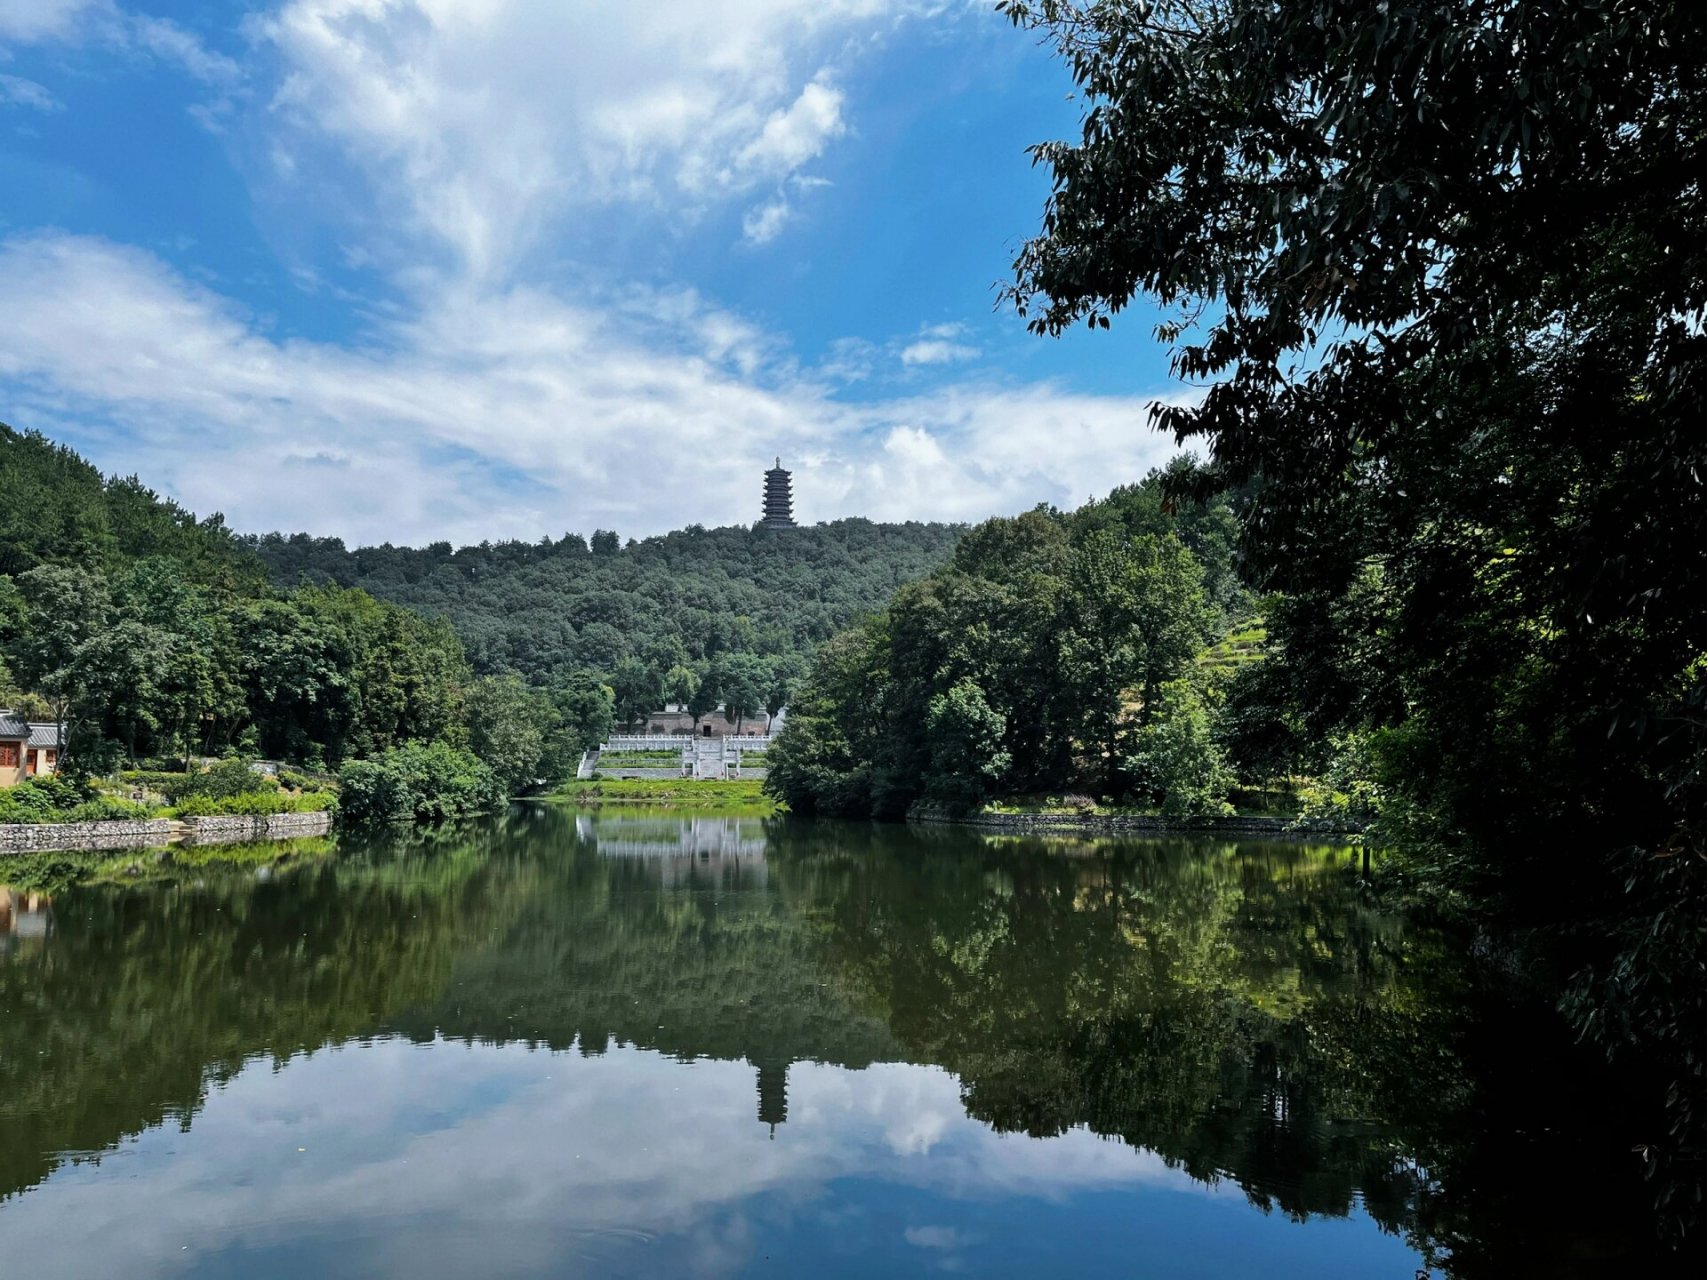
column 392, row 1159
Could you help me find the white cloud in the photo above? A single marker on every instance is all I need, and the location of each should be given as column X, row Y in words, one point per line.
column 938, row 344
column 849, row 360
column 793, row 136
column 477, row 405
column 932, row 1237
column 104, row 23
column 27, row 93
column 494, row 413
column 41, row 19
column 488, row 122
column 936, row 351
column 171, row 43
column 764, row 222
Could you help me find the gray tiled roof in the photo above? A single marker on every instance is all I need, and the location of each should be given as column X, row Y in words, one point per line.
column 39, row 733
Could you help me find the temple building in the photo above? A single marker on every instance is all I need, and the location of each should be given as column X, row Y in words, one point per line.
column 779, row 498
column 28, row 749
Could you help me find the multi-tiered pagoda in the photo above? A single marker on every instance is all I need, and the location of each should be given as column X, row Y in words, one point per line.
column 779, row 498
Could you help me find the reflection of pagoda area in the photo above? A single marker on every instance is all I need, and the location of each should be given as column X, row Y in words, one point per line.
column 683, row 850
column 742, row 982
column 22, row 915
column 773, row 1091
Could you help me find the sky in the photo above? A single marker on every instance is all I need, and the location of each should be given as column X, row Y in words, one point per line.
column 404, row 270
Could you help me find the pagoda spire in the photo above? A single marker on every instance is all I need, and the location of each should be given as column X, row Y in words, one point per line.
column 779, row 498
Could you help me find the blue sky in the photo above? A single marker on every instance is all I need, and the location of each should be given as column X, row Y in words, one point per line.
column 410, row 269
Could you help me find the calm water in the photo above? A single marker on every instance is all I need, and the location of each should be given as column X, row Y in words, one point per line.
column 565, row 1045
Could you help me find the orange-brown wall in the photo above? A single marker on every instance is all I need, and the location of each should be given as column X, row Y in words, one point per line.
column 12, row 777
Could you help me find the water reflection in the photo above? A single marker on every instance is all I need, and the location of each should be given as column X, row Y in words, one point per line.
column 22, row 915
column 682, row 850
column 773, row 1046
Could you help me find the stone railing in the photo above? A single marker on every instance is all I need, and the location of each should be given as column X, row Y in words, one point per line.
column 57, row 837
column 702, row 757
column 747, row 744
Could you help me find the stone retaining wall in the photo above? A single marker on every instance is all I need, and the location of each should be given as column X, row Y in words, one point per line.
column 228, row 828
column 1120, row 823
column 58, row 837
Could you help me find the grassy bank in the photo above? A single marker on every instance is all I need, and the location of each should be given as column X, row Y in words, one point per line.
column 1246, row 802
column 734, row 796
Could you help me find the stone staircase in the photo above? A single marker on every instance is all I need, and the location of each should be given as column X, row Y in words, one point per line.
column 708, row 759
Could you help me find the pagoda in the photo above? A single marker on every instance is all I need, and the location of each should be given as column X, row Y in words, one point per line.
column 779, row 498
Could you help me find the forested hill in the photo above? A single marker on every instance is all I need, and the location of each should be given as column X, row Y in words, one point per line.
column 151, row 633
column 544, row 609
column 147, row 632
column 57, row 508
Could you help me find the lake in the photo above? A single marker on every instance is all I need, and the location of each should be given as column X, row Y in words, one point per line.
column 575, row 1044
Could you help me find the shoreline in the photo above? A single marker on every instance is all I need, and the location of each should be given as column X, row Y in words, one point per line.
column 732, row 797
column 1128, row 824
column 117, row 835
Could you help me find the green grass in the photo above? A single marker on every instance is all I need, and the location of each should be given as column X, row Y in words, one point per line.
column 744, row 795
column 1240, row 647
column 639, row 759
column 1075, row 804
column 253, row 804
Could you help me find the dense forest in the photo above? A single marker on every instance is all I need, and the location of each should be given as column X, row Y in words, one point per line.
column 153, row 636
column 1443, row 271
column 147, row 632
column 684, row 600
column 1449, row 302
column 1055, row 653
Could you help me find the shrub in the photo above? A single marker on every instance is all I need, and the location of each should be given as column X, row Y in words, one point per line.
column 159, row 781
column 161, row 764
column 108, row 809
column 226, row 779
column 48, row 799
column 420, row 782
column 303, row 780
column 223, row 780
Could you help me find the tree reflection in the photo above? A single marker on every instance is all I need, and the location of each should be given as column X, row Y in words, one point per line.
column 1243, row 1010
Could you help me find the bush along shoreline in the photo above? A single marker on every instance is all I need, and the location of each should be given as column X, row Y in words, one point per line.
column 1117, row 822
column 417, row 782
column 230, row 788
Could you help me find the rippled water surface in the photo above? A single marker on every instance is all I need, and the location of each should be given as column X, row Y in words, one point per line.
column 564, row 1045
